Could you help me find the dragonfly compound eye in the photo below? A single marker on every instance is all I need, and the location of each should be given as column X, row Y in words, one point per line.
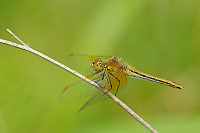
column 97, row 65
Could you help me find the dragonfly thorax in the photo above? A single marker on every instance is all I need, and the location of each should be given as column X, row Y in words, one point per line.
column 113, row 64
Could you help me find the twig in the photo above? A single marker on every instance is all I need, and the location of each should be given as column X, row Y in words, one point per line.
column 29, row 49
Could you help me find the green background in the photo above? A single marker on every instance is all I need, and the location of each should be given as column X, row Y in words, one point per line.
column 160, row 37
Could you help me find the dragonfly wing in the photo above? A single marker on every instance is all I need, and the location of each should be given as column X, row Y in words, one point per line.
column 114, row 81
column 99, row 96
column 118, row 80
column 80, row 89
column 90, row 57
column 76, row 91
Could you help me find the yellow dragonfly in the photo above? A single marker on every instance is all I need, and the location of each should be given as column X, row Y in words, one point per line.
column 110, row 73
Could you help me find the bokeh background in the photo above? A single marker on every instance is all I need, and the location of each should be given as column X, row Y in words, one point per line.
column 160, row 37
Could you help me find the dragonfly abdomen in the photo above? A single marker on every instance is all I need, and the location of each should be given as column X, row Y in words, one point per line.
column 133, row 72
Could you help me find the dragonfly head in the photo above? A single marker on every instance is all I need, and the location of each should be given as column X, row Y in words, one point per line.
column 97, row 65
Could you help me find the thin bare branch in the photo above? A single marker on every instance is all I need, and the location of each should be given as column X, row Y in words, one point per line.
column 29, row 49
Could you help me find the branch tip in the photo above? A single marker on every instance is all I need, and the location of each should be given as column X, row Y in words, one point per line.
column 17, row 38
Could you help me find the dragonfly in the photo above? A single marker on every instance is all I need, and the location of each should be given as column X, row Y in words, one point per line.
column 108, row 72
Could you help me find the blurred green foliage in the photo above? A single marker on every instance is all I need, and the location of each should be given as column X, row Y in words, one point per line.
column 160, row 37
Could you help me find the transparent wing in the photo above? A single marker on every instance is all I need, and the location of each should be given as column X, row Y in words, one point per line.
column 82, row 89
column 76, row 91
column 90, row 57
column 99, row 96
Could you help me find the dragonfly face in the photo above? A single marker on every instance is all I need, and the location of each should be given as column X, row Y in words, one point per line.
column 97, row 65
